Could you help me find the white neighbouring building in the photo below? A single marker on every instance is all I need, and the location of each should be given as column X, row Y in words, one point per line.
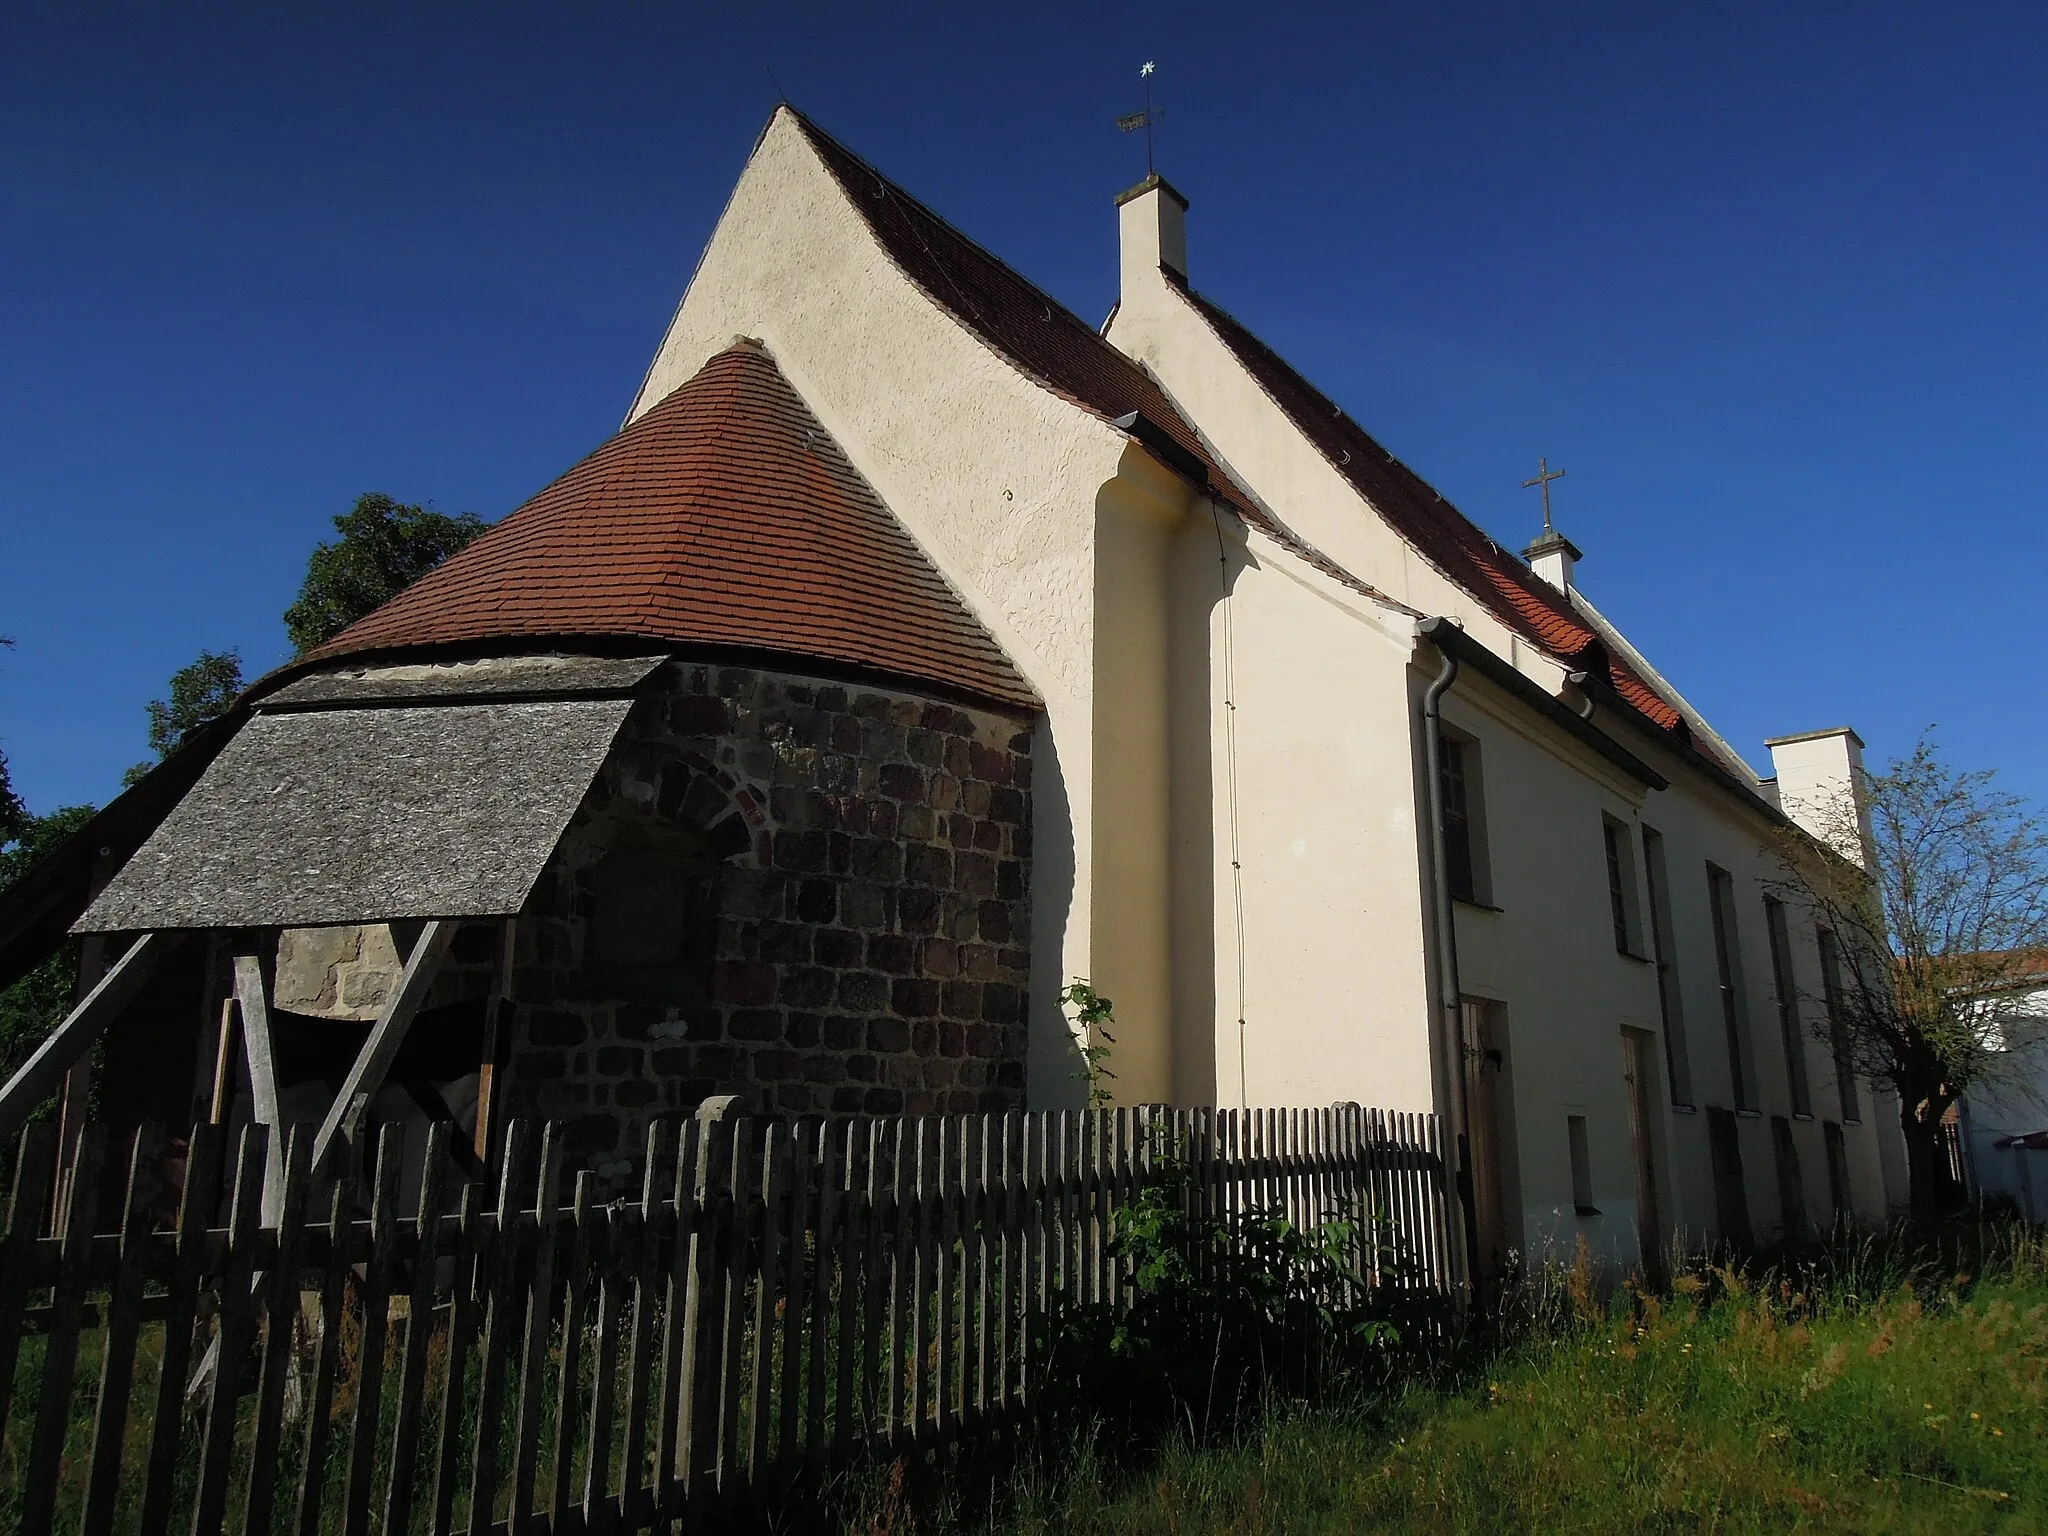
column 1338, row 799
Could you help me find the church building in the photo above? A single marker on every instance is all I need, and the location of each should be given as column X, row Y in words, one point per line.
column 915, row 648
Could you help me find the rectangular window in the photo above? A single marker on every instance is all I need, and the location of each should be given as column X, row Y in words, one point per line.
column 1838, row 1174
column 1731, row 1199
column 1677, row 1062
column 1582, row 1165
column 1791, row 1187
column 1838, row 1027
column 1456, row 764
column 1782, row 980
column 1728, row 969
column 1621, row 886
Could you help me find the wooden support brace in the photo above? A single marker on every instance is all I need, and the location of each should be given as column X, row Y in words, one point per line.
column 225, row 1046
column 70, row 1040
column 388, row 1033
column 497, row 1038
column 252, row 1001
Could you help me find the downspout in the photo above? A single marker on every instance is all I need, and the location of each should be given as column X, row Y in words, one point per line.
column 1579, row 680
column 1451, row 1033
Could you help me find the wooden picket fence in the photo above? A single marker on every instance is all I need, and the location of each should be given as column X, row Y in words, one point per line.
column 521, row 1355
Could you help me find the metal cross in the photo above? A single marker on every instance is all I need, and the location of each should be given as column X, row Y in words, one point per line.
column 1145, row 119
column 1544, row 475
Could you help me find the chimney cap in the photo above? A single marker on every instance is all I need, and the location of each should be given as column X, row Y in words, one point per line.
column 1550, row 542
column 1154, row 182
column 1820, row 735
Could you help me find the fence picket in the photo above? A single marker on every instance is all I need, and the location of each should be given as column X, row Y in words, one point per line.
column 983, row 1218
column 234, row 1327
column 1012, row 1253
column 678, row 1317
column 942, row 1222
column 829, row 1171
column 921, row 1286
column 35, row 1166
column 124, row 1323
column 616, row 1234
column 378, row 1274
column 576, row 1301
column 467, row 1282
column 60, row 1352
column 280, row 1351
column 696, row 1394
column 854, row 1282
column 502, row 1311
column 652, row 1234
column 902, row 1223
column 767, row 1229
column 796, row 1299
column 778, row 1297
column 547, row 1215
column 733, row 1252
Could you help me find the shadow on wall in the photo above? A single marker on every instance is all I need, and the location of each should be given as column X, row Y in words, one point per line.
column 1053, row 1064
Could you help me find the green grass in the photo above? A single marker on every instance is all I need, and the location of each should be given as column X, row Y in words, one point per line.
column 1866, row 1394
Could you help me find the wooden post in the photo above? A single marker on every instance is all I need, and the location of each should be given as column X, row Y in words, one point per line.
column 387, row 1034
column 497, row 1040
column 224, row 1062
column 252, row 1002
column 43, row 1071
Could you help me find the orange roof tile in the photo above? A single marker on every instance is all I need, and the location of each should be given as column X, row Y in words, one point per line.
column 724, row 516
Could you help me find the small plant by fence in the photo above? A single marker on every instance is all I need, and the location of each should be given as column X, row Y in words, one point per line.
column 518, row 1354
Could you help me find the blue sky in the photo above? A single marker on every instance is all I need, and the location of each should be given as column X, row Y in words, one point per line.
column 1766, row 280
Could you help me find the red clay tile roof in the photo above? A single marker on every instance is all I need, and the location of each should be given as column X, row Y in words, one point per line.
column 726, row 516
column 1444, row 535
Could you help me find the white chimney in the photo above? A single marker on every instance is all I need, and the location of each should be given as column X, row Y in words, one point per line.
column 1821, row 788
column 1152, row 232
column 1553, row 557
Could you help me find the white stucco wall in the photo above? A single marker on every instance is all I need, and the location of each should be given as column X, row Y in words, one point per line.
column 1547, row 958
column 1313, row 773
column 1050, row 524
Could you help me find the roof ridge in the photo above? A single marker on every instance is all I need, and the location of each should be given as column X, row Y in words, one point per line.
column 1078, row 364
column 1434, row 527
column 896, row 188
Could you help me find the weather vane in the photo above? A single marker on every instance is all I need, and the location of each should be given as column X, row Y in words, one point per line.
column 1146, row 118
column 1544, row 475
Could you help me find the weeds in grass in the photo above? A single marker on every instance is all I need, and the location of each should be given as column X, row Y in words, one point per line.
column 1870, row 1385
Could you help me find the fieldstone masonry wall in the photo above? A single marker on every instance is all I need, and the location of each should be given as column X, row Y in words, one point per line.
column 851, row 937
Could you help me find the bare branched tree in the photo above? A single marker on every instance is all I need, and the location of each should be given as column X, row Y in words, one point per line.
column 1933, row 892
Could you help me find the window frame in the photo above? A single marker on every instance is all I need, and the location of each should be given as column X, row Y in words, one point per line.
column 1623, row 902
column 1728, row 972
column 1579, row 1149
column 1778, row 933
column 1846, row 1097
column 1461, row 793
column 1670, row 1000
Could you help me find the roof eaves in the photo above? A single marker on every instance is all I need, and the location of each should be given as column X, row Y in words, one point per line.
column 1447, row 637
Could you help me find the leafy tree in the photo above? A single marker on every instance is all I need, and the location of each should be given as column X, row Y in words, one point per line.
column 1932, row 900
column 35, row 1004
column 385, row 546
column 14, row 818
column 13, row 814
column 200, row 691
